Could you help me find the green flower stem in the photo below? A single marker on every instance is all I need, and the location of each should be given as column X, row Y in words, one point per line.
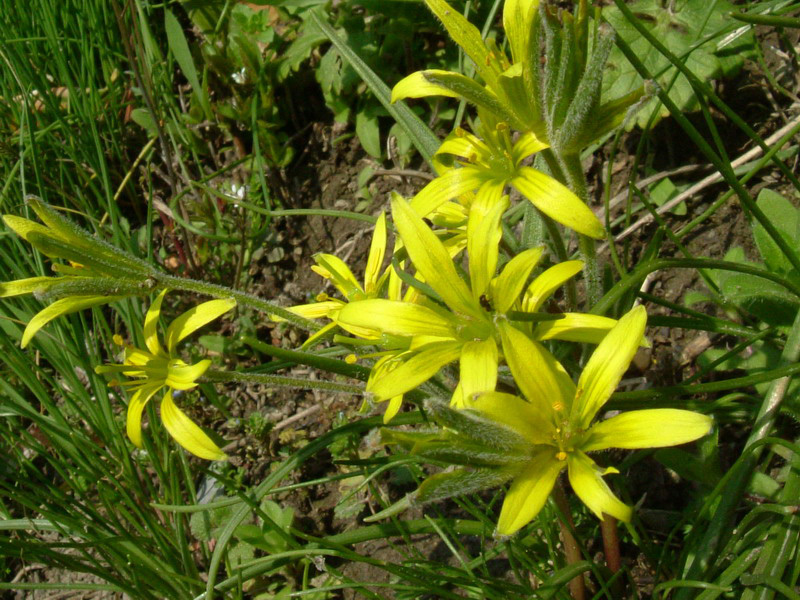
column 243, row 298
column 576, row 181
column 281, row 381
column 332, row 365
column 721, row 524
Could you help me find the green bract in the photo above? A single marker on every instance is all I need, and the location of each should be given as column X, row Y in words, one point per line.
column 98, row 273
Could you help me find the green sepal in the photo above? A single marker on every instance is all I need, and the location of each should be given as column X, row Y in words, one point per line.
column 461, row 481
column 91, row 286
column 475, row 427
column 466, row 35
column 474, row 93
column 93, row 259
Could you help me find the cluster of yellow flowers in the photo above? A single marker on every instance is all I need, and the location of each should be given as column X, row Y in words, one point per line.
column 483, row 315
column 486, row 318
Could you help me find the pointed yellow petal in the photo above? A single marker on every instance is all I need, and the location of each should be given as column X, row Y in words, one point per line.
column 151, row 324
column 315, row 310
column 607, row 365
column 186, row 433
column 397, row 317
column 417, row 86
column 575, row 327
column 377, row 251
column 318, row 335
column 340, row 274
column 28, row 286
column 516, row 414
column 61, row 307
column 195, row 318
column 136, row 405
column 414, row 370
column 392, row 408
column 529, row 491
column 557, row 202
column 478, row 367
column 517, row 19
column 542, row 379
column 465, row 145
column 526, row 145
column 654, row 428
column 483, row 235
column 587, row 481
column 432, row 259
column 506, row 287
column 181, row 376
column 548, row 282
column 452, row 184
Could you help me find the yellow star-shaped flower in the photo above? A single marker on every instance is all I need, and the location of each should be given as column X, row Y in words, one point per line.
column 158, row 366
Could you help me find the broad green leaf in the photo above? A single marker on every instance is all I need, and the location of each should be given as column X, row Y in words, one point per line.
column 180, row 50
column 786, row 219
column 692, row 29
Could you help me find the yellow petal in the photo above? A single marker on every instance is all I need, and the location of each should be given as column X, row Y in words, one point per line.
column 377, row 250
column 28, row 286
column 575, row 327
column 526, row 145
column 315, row 310
column 195, row 318
column 542, row 379
column 557, row 202
column 465, row 145
column 507, row 286
column 186, row 433
column 181, row 376
column 417, row 86
column 451, row 184
column 340, row 274
column 654, row 428
column 478, row 367
column 413, row 371
column 516, row 414
column 397, row 317
column 432, row 259
column 136, row 405
column 587, row 481
column 548, row 282
column 483, row 235
column 529, row 491
column 392, row 408
column 607, row 365
column 61, row 307
column 151, row 324
column 517, row 18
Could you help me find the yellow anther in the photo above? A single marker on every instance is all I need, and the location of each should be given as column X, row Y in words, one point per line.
column 351, row 359
column 558, row 406
column 322, row 297
column 113, row 383
column 561, row 455
column 117, row 338
column 502, row 126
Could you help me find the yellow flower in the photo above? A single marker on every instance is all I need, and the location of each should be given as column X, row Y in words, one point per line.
column 335, row 270
column 556, row 422
column 467, row 332
column 159, row 366
column 491, row 163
